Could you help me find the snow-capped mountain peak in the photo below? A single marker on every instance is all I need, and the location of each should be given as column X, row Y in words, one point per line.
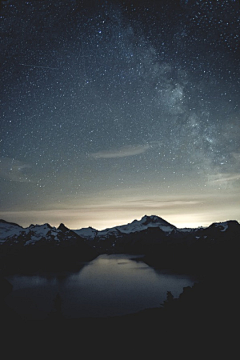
column 136, row 226
column 87, row 233
column 153, row 220
column 146, row 222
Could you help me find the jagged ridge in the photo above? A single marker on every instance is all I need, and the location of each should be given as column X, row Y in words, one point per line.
column 152, row 236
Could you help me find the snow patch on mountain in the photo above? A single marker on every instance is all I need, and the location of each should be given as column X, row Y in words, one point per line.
column 9, row 230
column 41, row 230
column 222, row 225
column 189, row 230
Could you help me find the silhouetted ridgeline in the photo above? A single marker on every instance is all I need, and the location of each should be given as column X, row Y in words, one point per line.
column 42, row 247
column 205, row 251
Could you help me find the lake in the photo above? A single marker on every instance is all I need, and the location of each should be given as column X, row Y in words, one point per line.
column 107, row 286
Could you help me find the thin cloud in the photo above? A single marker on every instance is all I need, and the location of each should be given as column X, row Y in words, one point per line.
column 13, row 170
column 222, row 178
column 121, row 152
column 236, row 156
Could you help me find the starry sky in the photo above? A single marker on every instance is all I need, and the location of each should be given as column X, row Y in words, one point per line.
column 111, row 110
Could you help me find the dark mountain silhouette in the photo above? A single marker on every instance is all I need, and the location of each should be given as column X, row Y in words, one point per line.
column 161, row 243
column 42, row 247
column 199, row 250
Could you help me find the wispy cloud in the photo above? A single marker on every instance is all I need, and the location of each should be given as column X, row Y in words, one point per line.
column 223, row 178
column 98, row 213
column 121, row 152
column 236, row 156
column 13, row 170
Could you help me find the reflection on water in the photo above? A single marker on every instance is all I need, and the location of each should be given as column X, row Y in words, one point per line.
column 107, row 286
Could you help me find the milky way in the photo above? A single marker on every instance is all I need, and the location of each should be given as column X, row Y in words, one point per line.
column 115, row 109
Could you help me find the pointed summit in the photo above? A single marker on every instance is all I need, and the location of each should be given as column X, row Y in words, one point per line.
column 63, row 228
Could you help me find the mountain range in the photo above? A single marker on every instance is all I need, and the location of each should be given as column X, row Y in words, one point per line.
column 160, row 242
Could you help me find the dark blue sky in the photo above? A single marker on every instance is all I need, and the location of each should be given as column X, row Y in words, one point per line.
column 115, row 109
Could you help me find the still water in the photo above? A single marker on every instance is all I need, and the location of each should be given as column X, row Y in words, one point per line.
column 107, row 286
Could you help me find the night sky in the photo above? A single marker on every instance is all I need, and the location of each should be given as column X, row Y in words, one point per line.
column 111, row 110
